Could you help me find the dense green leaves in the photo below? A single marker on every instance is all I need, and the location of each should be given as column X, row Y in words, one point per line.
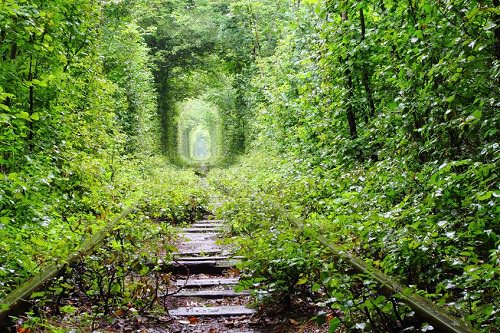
column 384, row 116
column 387, row 115
column 76, row 96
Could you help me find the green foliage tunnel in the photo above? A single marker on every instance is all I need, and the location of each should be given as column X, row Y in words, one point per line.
column 374, row 122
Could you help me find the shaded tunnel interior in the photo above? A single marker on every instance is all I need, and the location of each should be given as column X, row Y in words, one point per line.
column 199, row 132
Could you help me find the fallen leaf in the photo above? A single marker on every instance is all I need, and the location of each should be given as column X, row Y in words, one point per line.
column 233, row 272
column 213, row 330
column 293, row 321
column 193, row 320
column 23, row 330
column 120, row 313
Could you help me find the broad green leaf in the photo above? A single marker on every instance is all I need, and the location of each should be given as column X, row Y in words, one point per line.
column 450, row 98
column 334, row 325
column 485, row 196
column 23, row 115
column 302, row 280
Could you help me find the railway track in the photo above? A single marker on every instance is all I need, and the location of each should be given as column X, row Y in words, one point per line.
column 203, row 297
column 200, row 294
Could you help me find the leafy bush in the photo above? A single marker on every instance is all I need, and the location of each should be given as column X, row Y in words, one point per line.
column 428, row 229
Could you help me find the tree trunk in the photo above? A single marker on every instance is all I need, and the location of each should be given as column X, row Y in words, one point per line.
column 496, row 4
column 31, row 105
column 351, row 117
column 366, row 75
column 257, row 52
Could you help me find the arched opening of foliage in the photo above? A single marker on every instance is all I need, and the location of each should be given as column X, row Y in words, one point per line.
column 199, row 132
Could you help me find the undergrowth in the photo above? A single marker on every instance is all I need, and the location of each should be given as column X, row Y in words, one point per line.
column 158, row 191
column 433, row 228
column 125, row 275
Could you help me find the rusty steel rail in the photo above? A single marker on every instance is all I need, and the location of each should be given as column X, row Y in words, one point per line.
column 17, row 301
column 421, row 305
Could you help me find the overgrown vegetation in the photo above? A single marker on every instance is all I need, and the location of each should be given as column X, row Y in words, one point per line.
column 376, row 123
column 287, row 262
column 79, row 134
column 125, row 276
column 385, row 119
